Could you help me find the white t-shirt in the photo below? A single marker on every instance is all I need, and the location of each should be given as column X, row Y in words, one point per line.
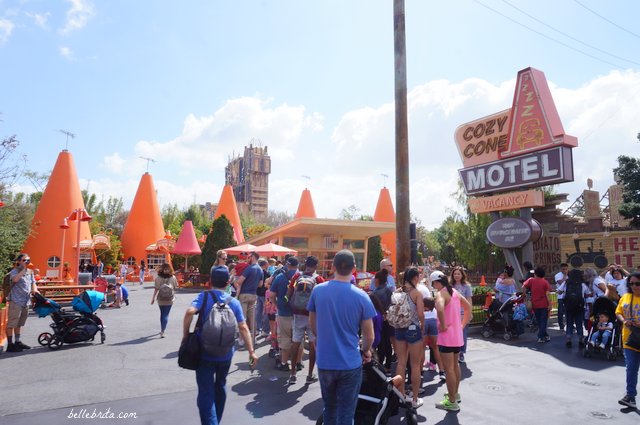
column 560, row 285
column 620, row 284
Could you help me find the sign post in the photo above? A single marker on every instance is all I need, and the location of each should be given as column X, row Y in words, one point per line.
column 524, row 147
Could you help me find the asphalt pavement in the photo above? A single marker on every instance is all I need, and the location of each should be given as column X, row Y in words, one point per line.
column 135, row 375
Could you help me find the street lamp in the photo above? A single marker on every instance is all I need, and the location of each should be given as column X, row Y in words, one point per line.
column 79, row 215
column 64, row 226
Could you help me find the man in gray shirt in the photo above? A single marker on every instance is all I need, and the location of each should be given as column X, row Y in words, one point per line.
column 22, row 285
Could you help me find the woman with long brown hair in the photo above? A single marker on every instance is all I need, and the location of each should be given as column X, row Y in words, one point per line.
column 458, row 281
column 165, row 290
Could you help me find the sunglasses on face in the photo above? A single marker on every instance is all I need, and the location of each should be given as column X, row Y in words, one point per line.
column 26, row 260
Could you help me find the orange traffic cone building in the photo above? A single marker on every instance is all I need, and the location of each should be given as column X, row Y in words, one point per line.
column 305, row 207
column 385, row 212
column 61, row 196
column 144, row 225
column 483, row 282
column 227, row 206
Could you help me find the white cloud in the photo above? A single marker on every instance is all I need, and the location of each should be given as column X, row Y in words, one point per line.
column 78, row 15
column 66, row 52
column 6, row 28
column 39, row 20
column 345, row 161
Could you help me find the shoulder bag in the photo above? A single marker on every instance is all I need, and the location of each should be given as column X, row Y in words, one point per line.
column 191, row 348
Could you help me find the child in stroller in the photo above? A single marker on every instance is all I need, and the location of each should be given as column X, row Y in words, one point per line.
column 500, row 318
column 70, row 327
column 379, row 398
column 604, row 309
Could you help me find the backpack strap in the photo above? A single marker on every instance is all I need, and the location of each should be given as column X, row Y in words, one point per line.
column 202, row 309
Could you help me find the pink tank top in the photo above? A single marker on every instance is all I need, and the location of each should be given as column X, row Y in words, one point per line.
column 452, row 337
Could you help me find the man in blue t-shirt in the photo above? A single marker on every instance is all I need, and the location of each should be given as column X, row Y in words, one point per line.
column 211, row 374
column 278, row 289
column 337, row 310
column 247, row 285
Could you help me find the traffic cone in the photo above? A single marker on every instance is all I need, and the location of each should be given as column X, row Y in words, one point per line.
column 483, row 282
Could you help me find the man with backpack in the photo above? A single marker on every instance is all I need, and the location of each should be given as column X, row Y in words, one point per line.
column 299, row 293
column 220, row 321
column 574, row 296
column 279, row 288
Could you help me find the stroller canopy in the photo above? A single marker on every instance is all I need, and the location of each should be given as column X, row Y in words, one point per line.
column 88, row 301
column 604, row 305
column 44, row 306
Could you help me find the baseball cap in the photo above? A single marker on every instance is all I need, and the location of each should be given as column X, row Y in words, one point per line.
column 344, row 259
column 219, row 274
column 385, row 262
column 292, row 261
column 437, row 275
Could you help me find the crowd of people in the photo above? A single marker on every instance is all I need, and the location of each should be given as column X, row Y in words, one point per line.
column 395, row 322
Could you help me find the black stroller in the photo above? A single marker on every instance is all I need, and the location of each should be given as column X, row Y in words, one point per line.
column 612, row 349
column 379, row 399
column 71, row 327
column 500, row 318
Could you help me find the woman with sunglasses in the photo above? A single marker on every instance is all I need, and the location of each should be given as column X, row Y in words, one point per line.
column 628, row 312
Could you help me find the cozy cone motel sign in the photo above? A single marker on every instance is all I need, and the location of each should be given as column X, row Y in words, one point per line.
column 519, row 148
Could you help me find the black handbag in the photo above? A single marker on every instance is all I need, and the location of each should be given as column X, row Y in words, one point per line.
column 191, row 348
column 634, row 337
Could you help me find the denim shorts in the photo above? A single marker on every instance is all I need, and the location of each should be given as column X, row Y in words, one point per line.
column 411, row 335
column 431, row 327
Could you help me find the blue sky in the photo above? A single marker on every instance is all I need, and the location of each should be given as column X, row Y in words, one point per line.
column 190, row 83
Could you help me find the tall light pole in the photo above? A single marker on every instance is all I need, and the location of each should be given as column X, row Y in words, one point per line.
column 402, row 138
column 64, row 226
column 79, row 215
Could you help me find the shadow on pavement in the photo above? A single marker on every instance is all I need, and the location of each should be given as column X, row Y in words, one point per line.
column 140, row 340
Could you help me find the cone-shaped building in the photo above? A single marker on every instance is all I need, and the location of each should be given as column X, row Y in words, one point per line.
column 385, row 212
column 61, row 196
column 144, row 225
column 305, row 207
column 229, row 208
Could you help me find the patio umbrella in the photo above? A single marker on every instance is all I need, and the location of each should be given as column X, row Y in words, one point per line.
column 187, row 243
column 272, row 249
column 236, row 250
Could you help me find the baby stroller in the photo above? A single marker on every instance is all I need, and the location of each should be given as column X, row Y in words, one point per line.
column 612, row 349
column 71, row 327
column 379, row 399
column 500, row 318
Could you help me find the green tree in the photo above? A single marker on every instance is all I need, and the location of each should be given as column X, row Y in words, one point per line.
column 247, row 221
column 220, row 237
column 277, row 218
column 16, row 214
column 628, row 171
column 374, row 254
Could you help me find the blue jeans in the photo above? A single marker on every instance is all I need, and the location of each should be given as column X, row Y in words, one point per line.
column 632, row 362
column 606, row 335
column 211, row 378
column 575, row 318
column 561, row 313
column 164, row 316
column 464, row 338
column 340, row 390
column 542, row 316
column 262, row 321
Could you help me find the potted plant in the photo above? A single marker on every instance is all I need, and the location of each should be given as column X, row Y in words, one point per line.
column 479, row 294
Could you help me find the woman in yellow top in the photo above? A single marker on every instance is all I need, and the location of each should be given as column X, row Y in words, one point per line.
column 628, row 312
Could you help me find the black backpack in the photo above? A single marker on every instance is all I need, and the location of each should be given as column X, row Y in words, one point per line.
column 573, row 299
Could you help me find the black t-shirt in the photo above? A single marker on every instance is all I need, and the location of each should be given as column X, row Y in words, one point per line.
column 262, row 290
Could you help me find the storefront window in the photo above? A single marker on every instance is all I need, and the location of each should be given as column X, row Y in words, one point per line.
column 155, row 260
column 353, row 244
column 359, row 260
column 294, row 242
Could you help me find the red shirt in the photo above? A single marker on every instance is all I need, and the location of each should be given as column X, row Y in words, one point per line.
column 539, row 288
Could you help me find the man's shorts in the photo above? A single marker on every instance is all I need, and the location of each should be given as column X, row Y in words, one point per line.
column 300, row 325
column 17, row 315
column 444, row 349
column 285, row 324
column 411, row 335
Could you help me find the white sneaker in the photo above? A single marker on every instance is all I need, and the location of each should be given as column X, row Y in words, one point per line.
column 415, row 404
column 602, row 346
